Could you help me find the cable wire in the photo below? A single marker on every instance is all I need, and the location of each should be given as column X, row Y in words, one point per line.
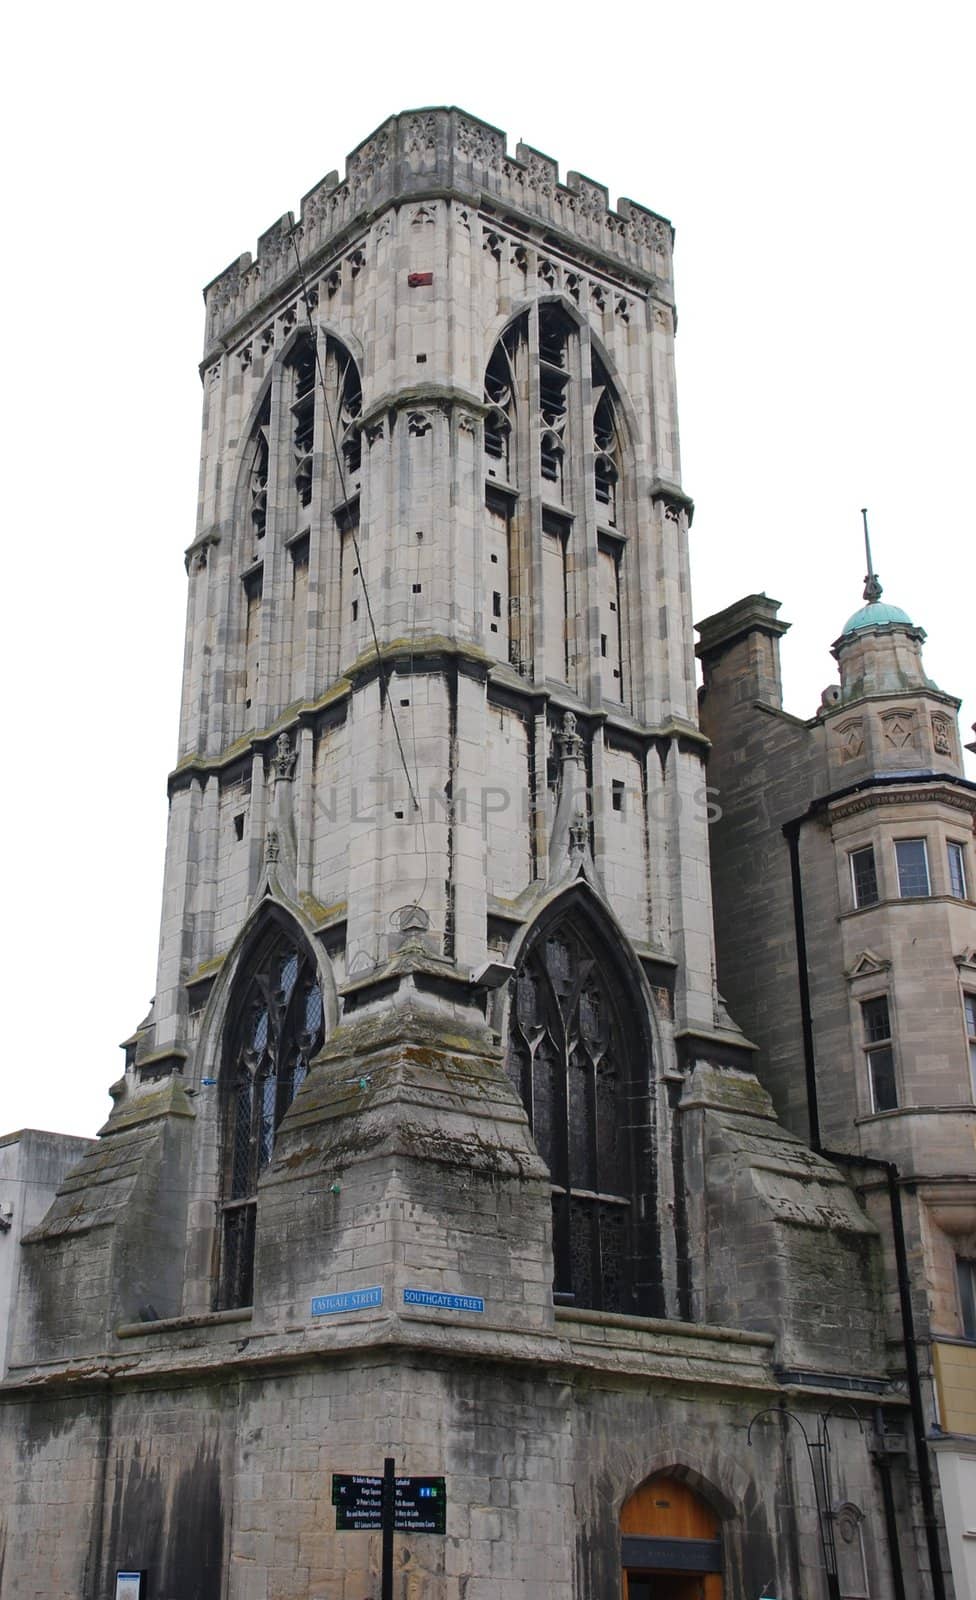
column 381, row 664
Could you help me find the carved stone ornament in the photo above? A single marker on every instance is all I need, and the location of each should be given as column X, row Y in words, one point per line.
column 466, row 422
column 867, row 965
column 421, row 216
column 418, row 423
column 284, row 758
column 493, row 244
column 520, row 258
column 942, row 736
column 272, row 845
column 850, row 739
column 371, row 156
column 579, row 834
column 479, row 144
column 591, row 201
column 899, row 729
column 569, row 739
column 422, row 132
column 373, row 431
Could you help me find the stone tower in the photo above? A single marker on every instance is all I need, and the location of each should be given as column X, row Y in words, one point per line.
column 438, row 1141
column 438, row 721
column 846, row 847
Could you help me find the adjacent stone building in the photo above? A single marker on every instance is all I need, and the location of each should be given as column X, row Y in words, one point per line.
column 843, row 872
column 33, row 1164
column 438, row 1142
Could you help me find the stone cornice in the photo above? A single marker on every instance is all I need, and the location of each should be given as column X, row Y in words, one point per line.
column 912, row 794
column 423, row 397
column 687, row 1355
column 885, row 788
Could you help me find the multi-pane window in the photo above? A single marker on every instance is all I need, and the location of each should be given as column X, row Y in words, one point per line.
column 913, row 868
column 299, row 471
column 957, row 869
column 879, row 1051
column 864, row 876
column 966, row 1280
column 275, row 1028
column 969, row 1006
column 575, row 1055
column 554, row 423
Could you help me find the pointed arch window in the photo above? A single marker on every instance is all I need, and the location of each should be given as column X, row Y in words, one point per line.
column 578, row 1059
column 275, row 1027
column 298, row 492
column 555, row 423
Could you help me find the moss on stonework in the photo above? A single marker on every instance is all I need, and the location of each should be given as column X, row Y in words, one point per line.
column 206, row 968
column 727, row 1089
column 317, row 913
column 169, row 1100
column 408, row 1085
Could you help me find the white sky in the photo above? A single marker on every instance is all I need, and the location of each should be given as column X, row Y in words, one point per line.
column 817, row 163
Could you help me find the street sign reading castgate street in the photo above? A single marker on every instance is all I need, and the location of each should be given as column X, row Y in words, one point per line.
column 419, row 1504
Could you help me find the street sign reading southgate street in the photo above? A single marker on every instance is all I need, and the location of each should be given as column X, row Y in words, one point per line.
column 419, row 1504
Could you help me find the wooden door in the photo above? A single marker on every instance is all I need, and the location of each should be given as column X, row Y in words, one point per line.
column 665, row 1508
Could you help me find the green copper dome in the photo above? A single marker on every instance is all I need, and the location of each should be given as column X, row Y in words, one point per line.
column 876, row 615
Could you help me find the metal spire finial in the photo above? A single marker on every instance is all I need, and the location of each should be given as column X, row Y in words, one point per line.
column 872, row 585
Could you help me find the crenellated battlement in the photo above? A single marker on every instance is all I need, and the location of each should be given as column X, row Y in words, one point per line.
column 438, row 150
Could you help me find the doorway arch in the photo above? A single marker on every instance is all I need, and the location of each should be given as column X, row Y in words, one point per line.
column 670, row 1544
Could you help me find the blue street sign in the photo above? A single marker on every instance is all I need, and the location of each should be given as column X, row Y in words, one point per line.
column 329, row 1305
column 433, row 1299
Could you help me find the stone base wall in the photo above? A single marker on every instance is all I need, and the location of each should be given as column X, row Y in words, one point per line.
column 220, row 1484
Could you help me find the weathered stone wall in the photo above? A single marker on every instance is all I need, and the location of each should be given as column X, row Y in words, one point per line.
column 221, row 1486
column 32, row 1165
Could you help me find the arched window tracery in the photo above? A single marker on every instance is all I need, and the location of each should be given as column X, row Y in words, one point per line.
column 275, row 1027
column 547, row 429
column 297, row 498
column 578, row 1059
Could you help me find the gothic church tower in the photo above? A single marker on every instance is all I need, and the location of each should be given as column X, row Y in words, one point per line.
column 438, row 716
column 437, row 1141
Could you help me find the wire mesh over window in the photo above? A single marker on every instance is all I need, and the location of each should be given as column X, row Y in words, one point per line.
column 581, row 1065
column 275, row 1028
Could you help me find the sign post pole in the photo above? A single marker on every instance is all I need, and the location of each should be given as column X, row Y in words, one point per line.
column 389, row 1506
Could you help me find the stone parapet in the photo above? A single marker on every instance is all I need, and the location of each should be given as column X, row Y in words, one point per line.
column 433, row 151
